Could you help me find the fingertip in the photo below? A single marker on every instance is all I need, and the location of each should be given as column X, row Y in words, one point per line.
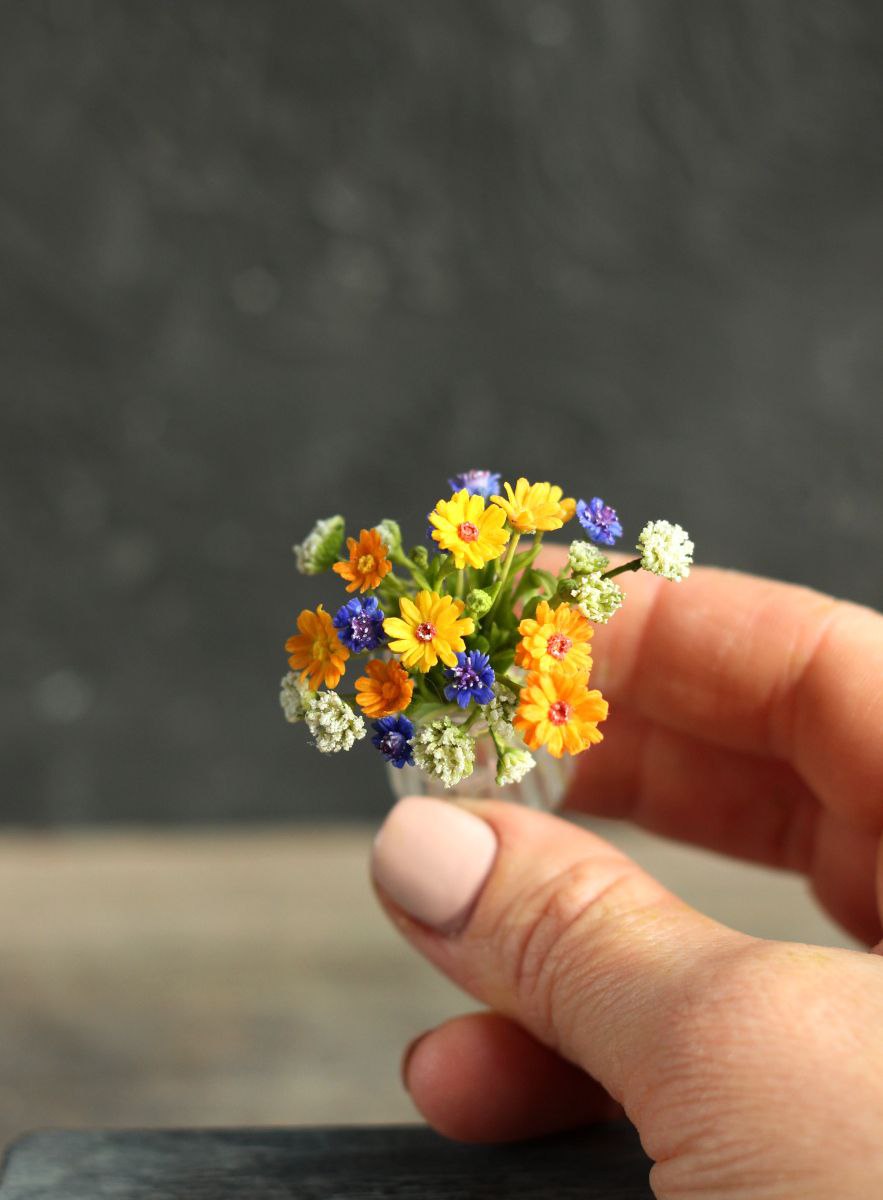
column 482, row 1078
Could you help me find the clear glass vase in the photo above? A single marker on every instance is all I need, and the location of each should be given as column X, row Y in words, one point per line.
column 544, row 787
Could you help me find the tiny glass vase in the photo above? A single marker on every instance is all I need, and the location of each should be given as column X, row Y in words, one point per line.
column 544, row 787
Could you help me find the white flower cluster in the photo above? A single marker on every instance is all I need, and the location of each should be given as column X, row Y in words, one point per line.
column 320, row 547
column 596, row 598
column 513, row 765
column 333, row 723
column 295, row 696
column 500, row 713
column 666, row 550
column 445, row 751
column 584, row 558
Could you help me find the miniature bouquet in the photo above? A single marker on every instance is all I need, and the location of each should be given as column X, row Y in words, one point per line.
column 465, row 643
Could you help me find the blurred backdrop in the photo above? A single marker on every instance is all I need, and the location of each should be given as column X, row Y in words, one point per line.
column 263, row 262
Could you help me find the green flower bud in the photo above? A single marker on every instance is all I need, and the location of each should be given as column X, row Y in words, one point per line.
column 478, row 603
column 567, row 588
column 320, row 549
column 420, row 557
column 391, row 535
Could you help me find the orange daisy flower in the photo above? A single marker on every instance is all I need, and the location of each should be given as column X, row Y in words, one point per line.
column 317, row 652
column 368, row 562
column 555, row 636
column 384, row 689
column 556, row 710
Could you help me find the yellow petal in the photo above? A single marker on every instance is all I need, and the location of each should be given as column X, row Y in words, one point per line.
column 410, row 610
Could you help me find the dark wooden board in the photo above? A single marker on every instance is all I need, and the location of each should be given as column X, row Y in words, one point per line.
column 321, row 1164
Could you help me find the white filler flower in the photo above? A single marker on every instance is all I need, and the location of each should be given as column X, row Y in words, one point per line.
column 666, row 550
column 333, row 723
column 443, row 750
column 321, row 547
column 585, row 559
column 596, row 598
column 500, row 713
column 513, row 765
column 295, row 696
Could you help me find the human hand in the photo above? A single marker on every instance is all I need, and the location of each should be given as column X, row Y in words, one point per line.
column 746, row 717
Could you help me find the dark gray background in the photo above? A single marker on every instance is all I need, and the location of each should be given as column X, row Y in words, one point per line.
column 261, row 262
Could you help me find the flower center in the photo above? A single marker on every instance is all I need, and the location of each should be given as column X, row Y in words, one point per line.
column 366, row 563
column 467, row 677
column 559, row 712
column 361, row 627
column 467, row 532
column 319, row 651
column 392, row 744
column 425, row 631
column 558, row 645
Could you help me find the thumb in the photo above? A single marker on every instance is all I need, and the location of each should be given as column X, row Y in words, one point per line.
column 553, row 927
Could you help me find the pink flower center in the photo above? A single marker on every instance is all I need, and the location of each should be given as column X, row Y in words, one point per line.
column 467, row 532
column 559, row 712
column 558, row 645
column 425, row 631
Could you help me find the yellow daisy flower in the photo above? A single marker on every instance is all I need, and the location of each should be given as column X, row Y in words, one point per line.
column 317, row 652
column 471, row 530
column 533, row 507
column 555, row 637
column 556, row 710
column 430, row 628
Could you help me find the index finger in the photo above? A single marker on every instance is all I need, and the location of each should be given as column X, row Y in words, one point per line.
column 755, row 666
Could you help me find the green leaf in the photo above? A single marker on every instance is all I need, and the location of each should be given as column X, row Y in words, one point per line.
column 426, row 710
column 530, row 608
column 546, row 580
column 503, row 661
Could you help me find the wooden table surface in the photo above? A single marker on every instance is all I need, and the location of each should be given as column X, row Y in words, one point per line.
column 245, row 978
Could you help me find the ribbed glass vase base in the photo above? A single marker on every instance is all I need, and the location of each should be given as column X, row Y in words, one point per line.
column 544, row 787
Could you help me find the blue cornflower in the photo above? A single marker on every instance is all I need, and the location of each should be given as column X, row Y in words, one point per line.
column 471, row 679
column 359, row 624
column 599, row 521
column 476, row 483
column 393, row 740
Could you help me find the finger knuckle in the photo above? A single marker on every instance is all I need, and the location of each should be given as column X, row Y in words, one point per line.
column 547, row 936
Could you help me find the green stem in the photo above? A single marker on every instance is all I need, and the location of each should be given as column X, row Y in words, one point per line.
column 458, row 589
column 411, row 567
column 472, row 718
column 524, row 583
column 394, row 584
column 510, row 683
column 634, row 565
column 504, row 576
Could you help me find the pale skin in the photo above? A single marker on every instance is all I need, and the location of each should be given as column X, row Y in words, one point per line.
column 745, row 716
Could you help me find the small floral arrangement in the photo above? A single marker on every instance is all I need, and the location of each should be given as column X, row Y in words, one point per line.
column 466, row 638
